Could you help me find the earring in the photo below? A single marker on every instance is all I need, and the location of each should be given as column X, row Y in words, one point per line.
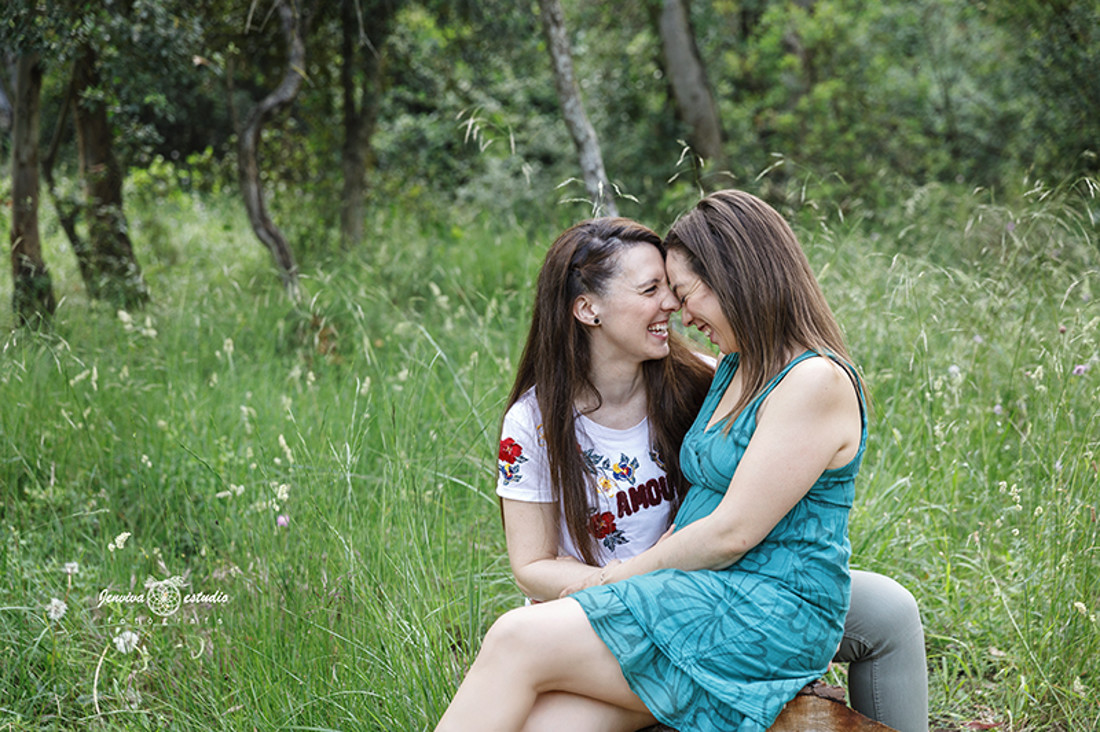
column 596, row 321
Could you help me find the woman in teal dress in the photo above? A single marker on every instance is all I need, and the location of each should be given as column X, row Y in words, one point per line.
column 718, row 625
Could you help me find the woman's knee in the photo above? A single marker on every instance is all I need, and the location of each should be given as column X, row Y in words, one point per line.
column 509, row 633
column 883, row 614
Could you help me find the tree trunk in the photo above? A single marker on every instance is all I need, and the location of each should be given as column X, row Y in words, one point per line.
column 688, row 78
column 68, row 207
column 584, row 137
column 360, row 117
column 32, row 290
column 248, row 143
column 6, row 111
column 115, row 274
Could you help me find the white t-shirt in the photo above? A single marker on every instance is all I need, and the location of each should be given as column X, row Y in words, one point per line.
column 633, row 492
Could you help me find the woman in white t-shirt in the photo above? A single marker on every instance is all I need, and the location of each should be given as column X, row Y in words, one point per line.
column 589, row 456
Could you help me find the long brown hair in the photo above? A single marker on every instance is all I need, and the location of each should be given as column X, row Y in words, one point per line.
column 557, row 360
column 747, row 254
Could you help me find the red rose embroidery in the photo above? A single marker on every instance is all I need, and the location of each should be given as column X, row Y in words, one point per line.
column 510, row 450
column 602, row 524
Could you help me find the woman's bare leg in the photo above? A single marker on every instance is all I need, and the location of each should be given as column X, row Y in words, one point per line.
column 531, row 651
column 559, row 710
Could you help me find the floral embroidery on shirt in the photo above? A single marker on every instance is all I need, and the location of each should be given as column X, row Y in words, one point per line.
column 609, row 474
column 592, row 460
column 624, row 469
column 602, row 526
column 606, row 486
column 510, row 458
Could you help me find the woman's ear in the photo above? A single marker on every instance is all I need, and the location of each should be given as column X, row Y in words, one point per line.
column 585, row 310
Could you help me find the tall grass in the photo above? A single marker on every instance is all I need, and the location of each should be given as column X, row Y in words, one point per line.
column 328, row 468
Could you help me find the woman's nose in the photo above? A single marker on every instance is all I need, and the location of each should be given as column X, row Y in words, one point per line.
column 669, row 302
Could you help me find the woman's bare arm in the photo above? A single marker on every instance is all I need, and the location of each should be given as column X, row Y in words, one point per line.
column 531, row 530
column 810, row 422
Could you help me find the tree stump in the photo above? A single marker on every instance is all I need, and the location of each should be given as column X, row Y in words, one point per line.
column 817, row 708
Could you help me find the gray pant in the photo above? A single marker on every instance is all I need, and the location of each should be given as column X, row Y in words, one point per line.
column 884, row 646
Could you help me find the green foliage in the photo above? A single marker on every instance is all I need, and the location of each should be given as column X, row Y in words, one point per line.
column 868, row 93
column 865, row 98
column 1059, row 48
column 979, row 475
column 196, row 425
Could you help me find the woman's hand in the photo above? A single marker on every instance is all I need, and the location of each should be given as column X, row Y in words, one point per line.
column 598, row 576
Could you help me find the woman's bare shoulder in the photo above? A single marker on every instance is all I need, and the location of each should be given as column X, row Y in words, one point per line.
column 820, row 378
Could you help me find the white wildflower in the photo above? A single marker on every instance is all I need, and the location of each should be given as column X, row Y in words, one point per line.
column 248, row 414
column 71, row 568
column 286, row 450
column 120, row 541
column 227, row 346
column 126, row 641
column 126, row 318
column 282, row 493
column 56, row 609
column 234, row 490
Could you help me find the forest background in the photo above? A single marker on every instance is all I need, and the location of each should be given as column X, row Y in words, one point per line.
column 272, row 265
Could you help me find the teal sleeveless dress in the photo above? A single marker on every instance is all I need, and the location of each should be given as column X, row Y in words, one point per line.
column 724, row 650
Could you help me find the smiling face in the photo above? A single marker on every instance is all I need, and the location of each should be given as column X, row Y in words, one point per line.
column 633, row 310
column 699, row 305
